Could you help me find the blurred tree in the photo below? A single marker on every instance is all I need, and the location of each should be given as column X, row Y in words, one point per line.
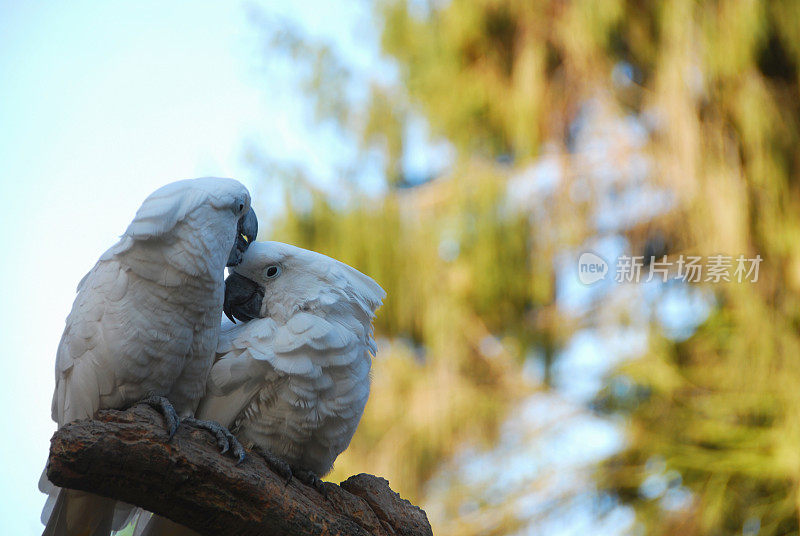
column 717, row 86
column 470, row 285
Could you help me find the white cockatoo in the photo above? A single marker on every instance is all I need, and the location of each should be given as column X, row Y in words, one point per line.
column 292, row 381
column 146, row 322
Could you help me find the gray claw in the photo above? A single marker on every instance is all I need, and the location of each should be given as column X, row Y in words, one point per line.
column 238, row 451
column 310, row 479
column 162, row 404
column 226, row 441
column 277, row 464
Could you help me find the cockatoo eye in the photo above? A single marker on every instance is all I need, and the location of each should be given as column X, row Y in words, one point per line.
column 241, row 207
column 272, row 271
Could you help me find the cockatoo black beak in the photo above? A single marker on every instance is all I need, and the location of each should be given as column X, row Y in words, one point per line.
column 243, row 298
column 246, row 233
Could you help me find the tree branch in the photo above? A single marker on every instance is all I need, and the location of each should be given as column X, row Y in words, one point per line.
column 125, row 455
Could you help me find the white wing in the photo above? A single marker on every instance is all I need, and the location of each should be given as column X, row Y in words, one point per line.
column 255, row 355
column 83, row 373
column 297, row 389
column 240, row 371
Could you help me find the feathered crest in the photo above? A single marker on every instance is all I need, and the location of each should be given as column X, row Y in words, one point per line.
column 345, row 284
column 170, row 204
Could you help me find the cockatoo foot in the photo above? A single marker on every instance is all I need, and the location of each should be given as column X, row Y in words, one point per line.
column 310, row 479
column 165, row 407
column 277, row 464
column 225, row 439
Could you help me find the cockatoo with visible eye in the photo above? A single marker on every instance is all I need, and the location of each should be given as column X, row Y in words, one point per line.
column 145, row 323
column 293, row 380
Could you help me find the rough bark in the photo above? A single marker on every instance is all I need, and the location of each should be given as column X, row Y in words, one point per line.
column 125, row 455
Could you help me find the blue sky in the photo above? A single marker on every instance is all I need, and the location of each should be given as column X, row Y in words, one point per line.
column 100, row 104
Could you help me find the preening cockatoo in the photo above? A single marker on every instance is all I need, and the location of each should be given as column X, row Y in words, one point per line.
column 293, row 380
column 146, row 321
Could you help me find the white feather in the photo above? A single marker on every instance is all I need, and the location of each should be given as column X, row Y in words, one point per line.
column 316, row 339
column 294, row 382
column 145, row 321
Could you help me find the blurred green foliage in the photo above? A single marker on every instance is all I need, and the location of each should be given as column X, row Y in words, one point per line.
column 434, row 386
column 718, row 83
